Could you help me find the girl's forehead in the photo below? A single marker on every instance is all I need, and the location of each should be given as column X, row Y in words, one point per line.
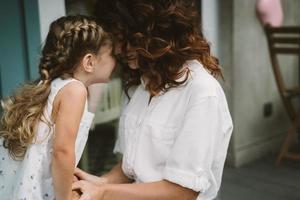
column 107, row 45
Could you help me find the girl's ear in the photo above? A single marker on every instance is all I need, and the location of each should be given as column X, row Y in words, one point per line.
column 87, row 63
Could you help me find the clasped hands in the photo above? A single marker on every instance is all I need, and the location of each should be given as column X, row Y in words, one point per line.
column 88, row 187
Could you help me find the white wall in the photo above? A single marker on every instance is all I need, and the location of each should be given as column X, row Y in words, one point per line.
column 49, row 10
column 216, row 25
column 244, row 56
column 239, row 42
column 210, row 24
column 254, row 84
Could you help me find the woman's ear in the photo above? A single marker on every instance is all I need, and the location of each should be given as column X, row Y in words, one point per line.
column 87, row 62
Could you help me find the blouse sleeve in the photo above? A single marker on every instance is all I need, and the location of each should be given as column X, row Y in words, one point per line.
column 198, row 148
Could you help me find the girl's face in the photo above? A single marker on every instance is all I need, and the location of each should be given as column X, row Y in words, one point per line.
column 104, row 63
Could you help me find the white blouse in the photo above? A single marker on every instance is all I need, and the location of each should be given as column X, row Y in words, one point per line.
column 181, row 136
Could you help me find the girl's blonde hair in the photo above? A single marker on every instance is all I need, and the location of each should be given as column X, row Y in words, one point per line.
column 68, row 40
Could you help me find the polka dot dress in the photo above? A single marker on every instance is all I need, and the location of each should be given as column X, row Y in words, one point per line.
column 30, row 178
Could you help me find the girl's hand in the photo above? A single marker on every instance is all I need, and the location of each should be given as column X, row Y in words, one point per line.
column 82, row 175
column 89, row 190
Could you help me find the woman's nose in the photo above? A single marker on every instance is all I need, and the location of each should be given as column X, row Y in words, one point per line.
column 117, row 49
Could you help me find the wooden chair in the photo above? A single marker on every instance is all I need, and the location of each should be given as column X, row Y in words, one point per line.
column 286, row 40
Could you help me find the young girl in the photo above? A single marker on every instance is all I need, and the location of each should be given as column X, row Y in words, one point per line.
column 45, row 125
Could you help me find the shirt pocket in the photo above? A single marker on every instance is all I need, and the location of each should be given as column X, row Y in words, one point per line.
column 128, row 122
column 160, row 132
column 128, row 129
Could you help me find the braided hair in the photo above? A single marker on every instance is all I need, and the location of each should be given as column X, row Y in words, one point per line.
column 68, row 40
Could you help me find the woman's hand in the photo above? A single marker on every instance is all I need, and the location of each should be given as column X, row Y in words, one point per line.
column 76, row 194
column 89, row 190
column 82, row 175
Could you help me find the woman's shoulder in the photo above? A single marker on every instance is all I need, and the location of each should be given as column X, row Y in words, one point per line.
column 201, row 82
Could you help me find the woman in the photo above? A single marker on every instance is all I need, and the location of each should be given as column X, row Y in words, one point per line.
column 175, row 125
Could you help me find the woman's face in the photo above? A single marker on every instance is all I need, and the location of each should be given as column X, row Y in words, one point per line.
column 129, row 56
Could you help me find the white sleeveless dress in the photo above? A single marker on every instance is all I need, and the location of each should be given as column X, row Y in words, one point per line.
column 30, row 179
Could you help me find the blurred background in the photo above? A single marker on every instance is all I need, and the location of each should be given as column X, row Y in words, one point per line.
column 263, row 160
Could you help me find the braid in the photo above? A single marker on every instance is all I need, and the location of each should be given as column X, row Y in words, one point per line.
column 71, row 33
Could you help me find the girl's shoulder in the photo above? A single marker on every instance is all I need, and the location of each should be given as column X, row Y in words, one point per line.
column 61, row 82
column 74, row 89
column 67, row 88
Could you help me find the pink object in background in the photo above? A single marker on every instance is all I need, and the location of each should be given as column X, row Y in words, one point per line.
column 270, row 12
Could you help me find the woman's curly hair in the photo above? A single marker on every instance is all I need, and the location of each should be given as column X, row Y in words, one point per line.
column 68, row 40
column 163, row 33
